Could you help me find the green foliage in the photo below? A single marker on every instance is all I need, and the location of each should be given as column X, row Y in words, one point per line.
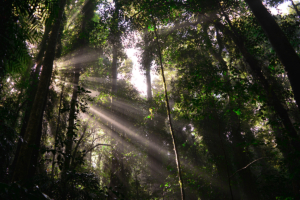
column 223, row 120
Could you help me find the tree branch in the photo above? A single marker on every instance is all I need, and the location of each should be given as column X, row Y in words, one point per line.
column 247, row 166
column 95, row 147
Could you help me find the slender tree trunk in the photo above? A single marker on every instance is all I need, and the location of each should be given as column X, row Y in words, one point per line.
column 148, row 80
column 241, row 160
column 219, row 148
column 147, row 64
column 174, row 141
column 116, row 163
column 23, row 161
column 115, row 169
column 115, row 45
column 137, row 187
column 88, row 10
column 73, row 163
column 72, row 117
column 280, row 43
column 114, row 69
column 57, row 129
column 214, row 146
column 115, row 179
column 283, row 144
column 154, row 161
column 70, row 135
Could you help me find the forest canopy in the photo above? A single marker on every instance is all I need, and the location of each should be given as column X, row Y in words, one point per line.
column 150, row 99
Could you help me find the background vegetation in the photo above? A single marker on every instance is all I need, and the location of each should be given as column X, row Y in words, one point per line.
column 219, row 118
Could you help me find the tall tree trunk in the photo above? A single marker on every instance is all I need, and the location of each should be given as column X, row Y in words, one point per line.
column 283, row 144
column 115, row 34
column 240, row 158
column 174, row 140
column 70, row 135
column 272, row 100
column 218, row 149
column 216, row 146
column 114, row 69
column 72, row 117
column 36, row 150
column 88, row 11
column 35, row 156
column 57, row 129
column 147, row 64
column 22, row 165
column 73, row 163
column 115, row 182
column 32, row 91
column 116, row 162
column 271, row 95
column 115, row 179
column 280, row 43
column 148, row 80
column 153, row 161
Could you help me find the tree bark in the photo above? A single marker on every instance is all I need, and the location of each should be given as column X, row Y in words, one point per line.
column 272, row 100
column 36, row 150
column 31, row 92
column 72, row 116
column 88, row 11
column 280, row 43
column 114, row 69
column 271, row 95
column 174, row 141
column 154, row 160
column 73, row 163
column 219, row 148
column 148, row 80
column 241, row 159
column 147, row 64
column 57, row 129
column 117, row 165
column 23, row 161
column 115, row 39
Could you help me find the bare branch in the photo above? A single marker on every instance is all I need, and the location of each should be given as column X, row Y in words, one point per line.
column 95, row 147
column 247, row 165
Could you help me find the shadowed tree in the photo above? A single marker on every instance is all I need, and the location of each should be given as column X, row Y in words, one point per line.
column 22, row 165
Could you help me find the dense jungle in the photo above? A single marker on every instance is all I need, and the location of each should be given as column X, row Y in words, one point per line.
column 150, row 99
